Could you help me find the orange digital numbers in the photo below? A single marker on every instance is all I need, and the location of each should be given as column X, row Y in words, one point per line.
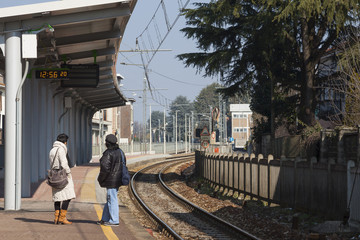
column 52, row 74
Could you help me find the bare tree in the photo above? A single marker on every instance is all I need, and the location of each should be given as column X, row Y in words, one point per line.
column 342, row 88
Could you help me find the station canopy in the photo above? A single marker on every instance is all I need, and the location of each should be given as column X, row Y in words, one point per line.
column 74, row 32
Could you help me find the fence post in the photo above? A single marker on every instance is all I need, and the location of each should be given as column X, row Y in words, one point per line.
column 340, row 147
column 234, row 155
column 323, row 147
column 329, row 185
column 245, row 157
column 350, row 164
column 252, row 156
column 210, row 172
column 228, row 171
column 270, row 158
column 215, row 172
column 205, row 164
column 297, row 159
column 312, row 162
column 219, row 159
column 260, row 157
column 240, row 156
column 197, row 162
column 358, row 144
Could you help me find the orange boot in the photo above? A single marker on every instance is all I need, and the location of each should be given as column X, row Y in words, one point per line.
column 57, row 213
column 62, row 218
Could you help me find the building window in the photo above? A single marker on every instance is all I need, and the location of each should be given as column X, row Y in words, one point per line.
column 240, row 129
column 104, row 115
column 237, row 115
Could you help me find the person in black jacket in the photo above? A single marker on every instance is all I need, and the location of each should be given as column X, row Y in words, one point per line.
column 110, row 178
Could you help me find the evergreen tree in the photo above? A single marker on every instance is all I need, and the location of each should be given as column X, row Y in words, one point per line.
column 252, row 42
column 257, row 57
column 316, row 24
column 155, row 117
column 208, row 96
column 182, row 106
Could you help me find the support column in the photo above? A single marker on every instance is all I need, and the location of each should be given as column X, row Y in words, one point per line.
column 13, row 74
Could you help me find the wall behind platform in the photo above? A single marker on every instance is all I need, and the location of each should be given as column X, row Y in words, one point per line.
column 44, row 116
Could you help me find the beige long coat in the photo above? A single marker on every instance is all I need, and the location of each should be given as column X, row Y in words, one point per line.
column 68, row 192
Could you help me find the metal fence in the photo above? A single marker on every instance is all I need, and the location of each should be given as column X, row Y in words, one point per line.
column 142, row 148
column 309, row 186
column 353, row 192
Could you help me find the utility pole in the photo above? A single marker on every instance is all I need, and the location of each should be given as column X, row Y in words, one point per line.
column 210, row 120
column 173, row 136
column 159, row 137
column 145, row 66
column 144, row 114
column 150, row 132
column 225, row 121
column 164, row 131
column 185, row 135
column 220, row 127
column 192, row 130
column 176, row 140
column 188, row 134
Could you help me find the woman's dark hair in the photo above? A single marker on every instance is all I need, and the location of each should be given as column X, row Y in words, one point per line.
column 112, row 146
column 62, row 138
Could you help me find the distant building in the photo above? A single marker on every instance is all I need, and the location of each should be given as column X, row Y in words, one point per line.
column 241, row 122
column 123, row 123
column 101, row 126
column 117, row 121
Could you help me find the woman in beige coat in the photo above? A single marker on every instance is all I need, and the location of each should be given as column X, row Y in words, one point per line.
column 61, row 197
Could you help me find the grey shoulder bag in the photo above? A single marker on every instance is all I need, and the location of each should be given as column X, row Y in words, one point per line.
column 57, row 178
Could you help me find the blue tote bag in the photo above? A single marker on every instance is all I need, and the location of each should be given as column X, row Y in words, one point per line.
column 125, row 173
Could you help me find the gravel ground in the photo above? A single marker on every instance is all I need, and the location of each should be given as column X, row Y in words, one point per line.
column 266, row 222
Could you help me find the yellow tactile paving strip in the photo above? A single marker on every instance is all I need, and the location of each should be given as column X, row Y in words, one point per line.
column 88, row 194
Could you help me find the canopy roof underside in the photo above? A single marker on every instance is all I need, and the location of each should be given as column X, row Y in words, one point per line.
column 85, row 31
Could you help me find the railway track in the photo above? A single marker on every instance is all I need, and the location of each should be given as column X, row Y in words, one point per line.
column 173, row 215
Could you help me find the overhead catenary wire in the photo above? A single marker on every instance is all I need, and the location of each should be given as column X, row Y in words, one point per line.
column 168, row 24
column 161, row 99
column 175, row 80
column 145, row 39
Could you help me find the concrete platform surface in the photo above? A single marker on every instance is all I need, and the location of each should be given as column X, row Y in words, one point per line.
column 35, row 219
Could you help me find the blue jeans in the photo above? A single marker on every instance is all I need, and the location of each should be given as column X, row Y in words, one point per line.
column 111, row 209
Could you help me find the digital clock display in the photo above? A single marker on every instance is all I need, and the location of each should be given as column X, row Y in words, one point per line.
column 52, row 74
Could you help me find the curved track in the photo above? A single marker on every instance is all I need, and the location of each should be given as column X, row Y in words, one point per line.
column 172, row 214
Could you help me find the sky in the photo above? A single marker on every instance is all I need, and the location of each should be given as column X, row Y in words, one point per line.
column 168, row 76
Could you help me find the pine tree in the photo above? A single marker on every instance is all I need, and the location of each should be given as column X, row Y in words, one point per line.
column 249, row 42
column 316, row 25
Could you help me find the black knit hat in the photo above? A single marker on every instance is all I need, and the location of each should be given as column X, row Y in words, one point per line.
column 111, row 138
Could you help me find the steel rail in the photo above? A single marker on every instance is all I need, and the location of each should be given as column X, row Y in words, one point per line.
column 196, row 208
column 161, row 224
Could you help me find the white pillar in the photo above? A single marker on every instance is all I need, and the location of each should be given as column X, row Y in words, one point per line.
column 13, row 74
column 26, row 132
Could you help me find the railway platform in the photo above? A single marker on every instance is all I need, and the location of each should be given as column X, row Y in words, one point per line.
column 35, row 219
